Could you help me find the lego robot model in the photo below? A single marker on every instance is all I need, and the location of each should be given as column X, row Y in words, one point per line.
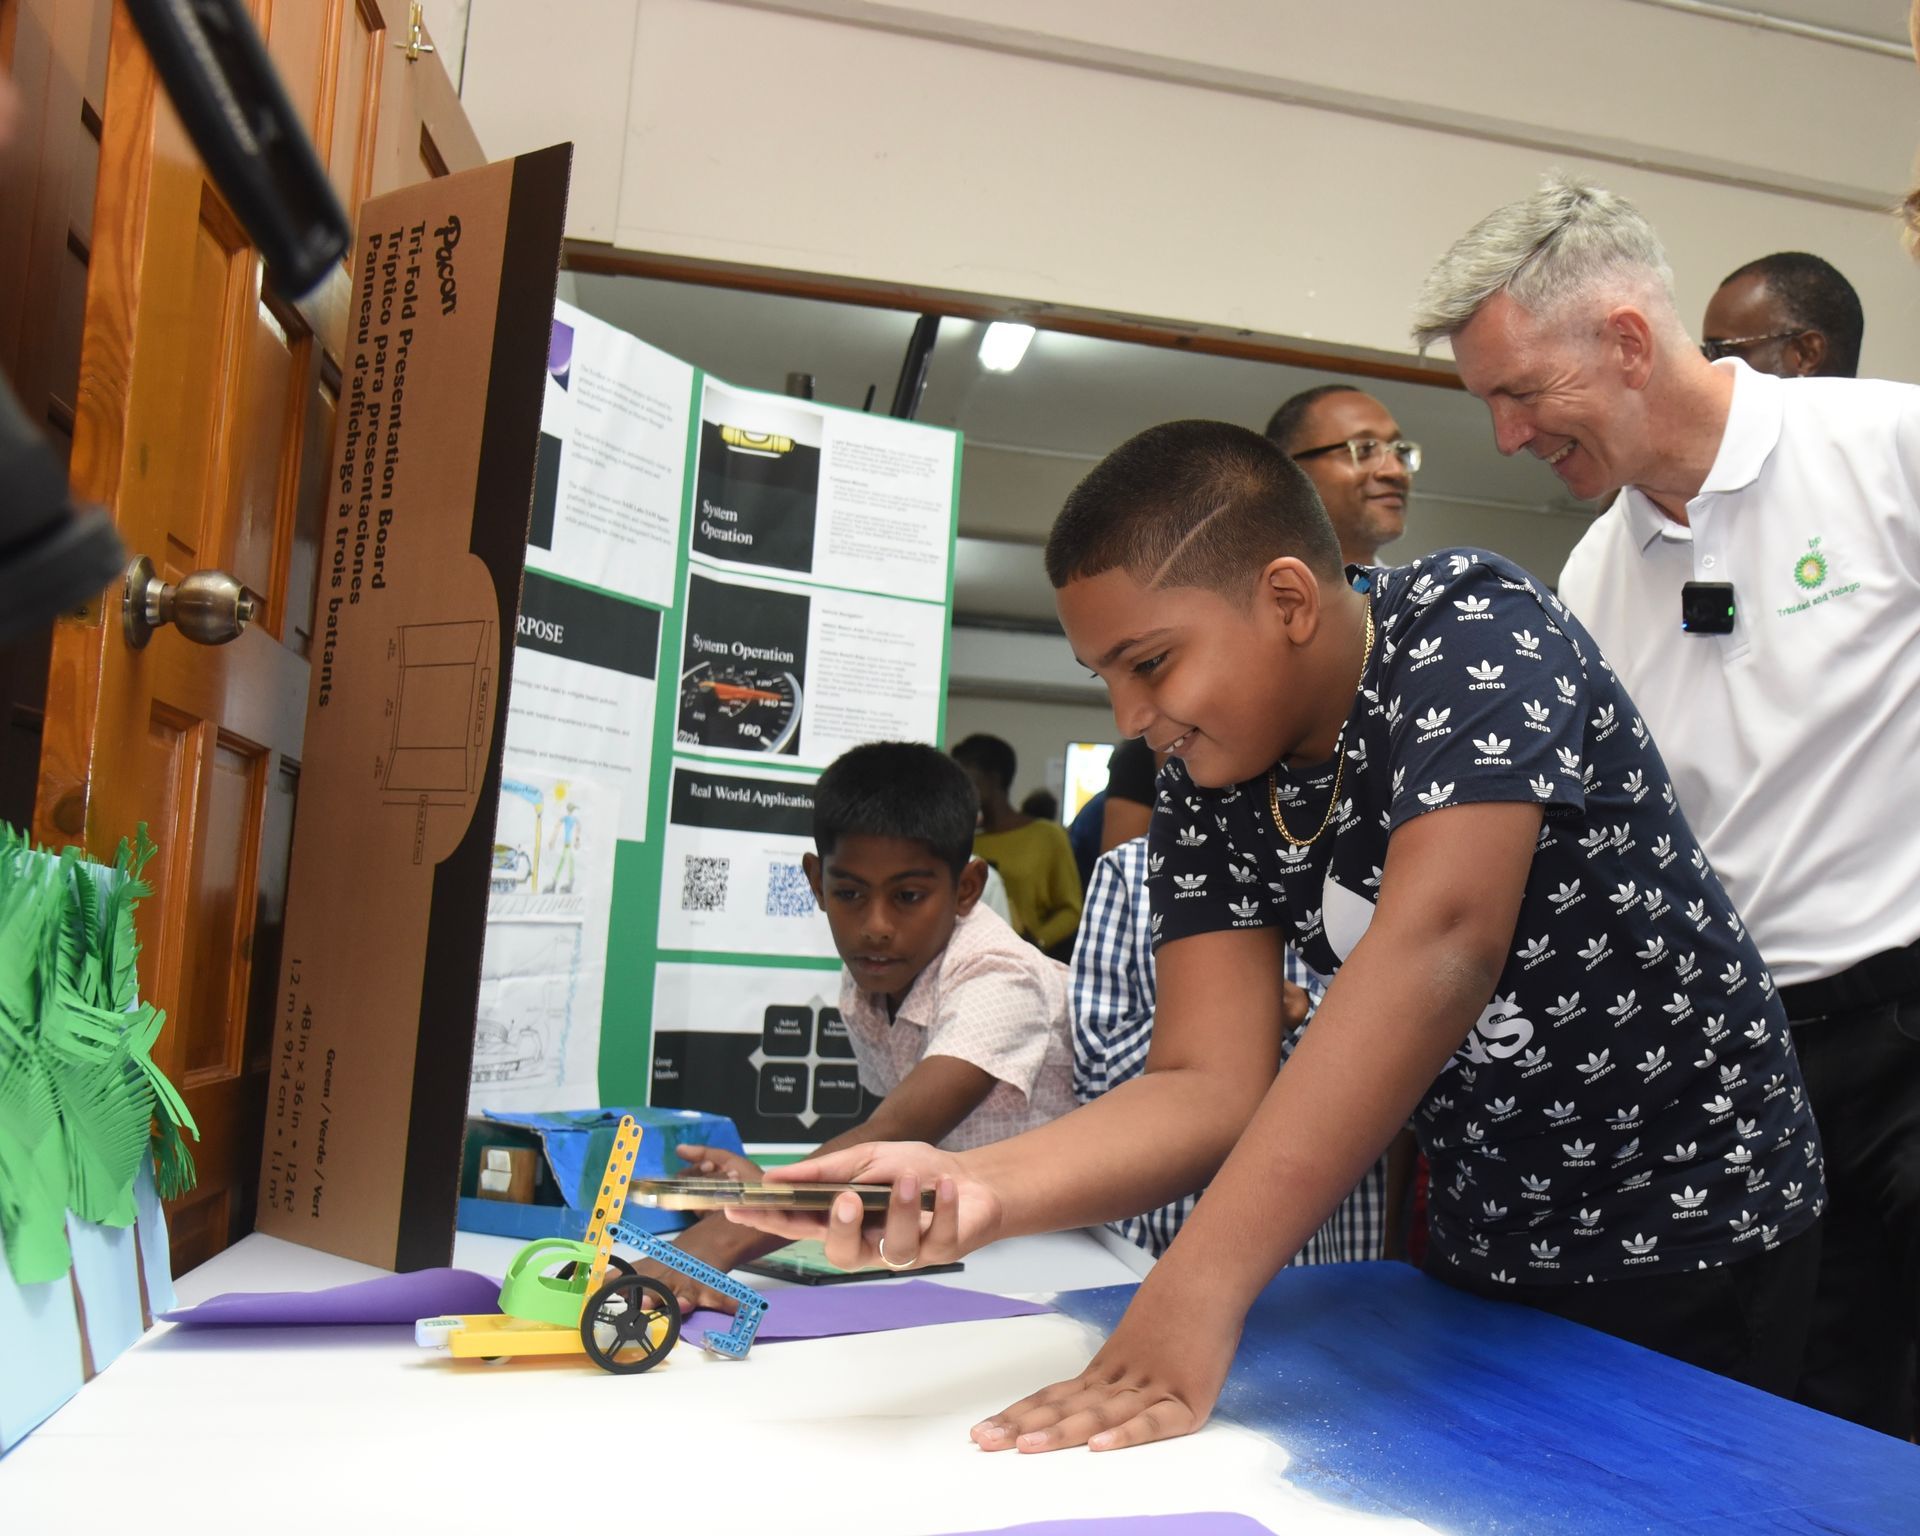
column 566, row 1297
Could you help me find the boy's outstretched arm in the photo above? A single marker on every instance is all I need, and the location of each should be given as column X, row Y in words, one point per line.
column 1401, row 1005
column 1222, row 1008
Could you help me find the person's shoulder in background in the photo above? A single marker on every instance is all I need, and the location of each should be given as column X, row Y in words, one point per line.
column 993, row 895
column 1130, row 772
column 1083, row 834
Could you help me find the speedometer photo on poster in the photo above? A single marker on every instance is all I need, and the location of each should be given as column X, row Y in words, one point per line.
column 743, row 666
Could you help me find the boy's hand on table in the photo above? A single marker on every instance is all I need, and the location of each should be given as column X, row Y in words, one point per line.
column 965, row 1216
column 1156, row 1378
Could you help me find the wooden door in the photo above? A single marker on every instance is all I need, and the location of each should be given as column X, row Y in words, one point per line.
column 204, row 422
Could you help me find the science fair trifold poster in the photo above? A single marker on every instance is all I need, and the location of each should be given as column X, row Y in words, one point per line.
column 725, row 590
column 435, row 458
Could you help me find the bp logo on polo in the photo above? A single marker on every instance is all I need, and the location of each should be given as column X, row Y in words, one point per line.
column 1813, row 580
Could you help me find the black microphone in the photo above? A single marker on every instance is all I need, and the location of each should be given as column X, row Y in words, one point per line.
column 53, row 556
column 217, row 72
column 215, row 68
column 1706, row 608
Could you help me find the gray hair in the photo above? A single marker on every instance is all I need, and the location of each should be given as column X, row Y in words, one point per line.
column 1564, row 242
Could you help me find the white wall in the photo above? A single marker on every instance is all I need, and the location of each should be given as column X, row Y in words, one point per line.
column 446, row 24
column 1285, row 167
column 1042, row 663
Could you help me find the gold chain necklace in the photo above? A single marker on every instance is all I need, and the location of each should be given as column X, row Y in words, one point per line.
column 1339, row 761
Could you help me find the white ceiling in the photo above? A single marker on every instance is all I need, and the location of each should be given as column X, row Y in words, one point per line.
column 1031, row 434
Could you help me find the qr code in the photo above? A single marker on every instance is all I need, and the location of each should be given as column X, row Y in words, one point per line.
column 705, row 887
column 788, row 894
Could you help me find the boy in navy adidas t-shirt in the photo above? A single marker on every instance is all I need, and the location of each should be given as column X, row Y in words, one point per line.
column 1429, row 781
column 1627, row 1101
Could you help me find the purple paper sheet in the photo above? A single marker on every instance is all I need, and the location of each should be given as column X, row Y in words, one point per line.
column 798, row 1314
column 383, row 1299
column 1212, row 1524
column 836, row 1310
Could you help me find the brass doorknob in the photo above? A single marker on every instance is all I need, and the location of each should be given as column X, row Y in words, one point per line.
column 208, row 607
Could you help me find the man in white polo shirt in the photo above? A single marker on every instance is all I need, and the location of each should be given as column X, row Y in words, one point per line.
column 1756, row 586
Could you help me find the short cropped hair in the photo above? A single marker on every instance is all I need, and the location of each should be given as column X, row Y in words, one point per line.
column 1192, row 504
column 992, row 756
column 1283, row 427
column 1568, row 240
column 902, row 789
column 1817, row 298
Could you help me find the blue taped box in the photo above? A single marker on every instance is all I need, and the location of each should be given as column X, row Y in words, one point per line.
column 573, row 1145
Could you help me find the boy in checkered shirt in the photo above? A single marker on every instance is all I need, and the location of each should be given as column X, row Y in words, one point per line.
column 1111, row 990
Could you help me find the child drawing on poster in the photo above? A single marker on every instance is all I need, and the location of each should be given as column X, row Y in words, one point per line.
column 537, row 1036
column 562, row 844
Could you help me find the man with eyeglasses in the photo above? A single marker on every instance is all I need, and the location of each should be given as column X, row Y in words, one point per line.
column 1789, row 314
column 1352, row 449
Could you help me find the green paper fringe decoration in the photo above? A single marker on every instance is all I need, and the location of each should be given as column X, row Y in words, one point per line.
column 81, row 1102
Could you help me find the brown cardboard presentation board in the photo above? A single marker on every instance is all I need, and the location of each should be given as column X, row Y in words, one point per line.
column 434, row 447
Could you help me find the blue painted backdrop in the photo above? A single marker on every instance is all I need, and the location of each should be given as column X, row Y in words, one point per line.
column 1398, row 1394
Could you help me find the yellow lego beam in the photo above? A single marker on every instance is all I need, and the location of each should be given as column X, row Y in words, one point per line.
column 612, row 1199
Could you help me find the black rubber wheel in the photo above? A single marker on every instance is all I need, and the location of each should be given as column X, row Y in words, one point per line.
column 630, row 1325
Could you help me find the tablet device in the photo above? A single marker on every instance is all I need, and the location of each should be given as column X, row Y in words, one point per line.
column 718, row 1194
column 805, row 1263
